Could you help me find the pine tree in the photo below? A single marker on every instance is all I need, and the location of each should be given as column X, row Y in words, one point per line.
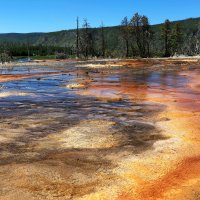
column 125, row 31
column 103, row 43
column 87, row 41
column 176, row 39
column 147, row 35
column 77, row 38
column 197, row 38
column 166, row 33
column 141, row 33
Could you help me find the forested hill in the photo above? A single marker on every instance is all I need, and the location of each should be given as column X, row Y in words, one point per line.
column 62, row 38
column 114, row 41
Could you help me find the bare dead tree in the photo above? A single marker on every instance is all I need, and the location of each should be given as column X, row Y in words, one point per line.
column 125, row 31
column 86, row 41
column 77, row 37
column 103, row 43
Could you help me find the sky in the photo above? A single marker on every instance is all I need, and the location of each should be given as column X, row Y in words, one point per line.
column 24, row 16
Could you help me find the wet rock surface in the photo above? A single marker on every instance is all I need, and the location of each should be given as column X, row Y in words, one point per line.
column 58, row 142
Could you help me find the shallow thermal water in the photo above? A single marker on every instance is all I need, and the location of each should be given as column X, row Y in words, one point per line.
column 120, row 137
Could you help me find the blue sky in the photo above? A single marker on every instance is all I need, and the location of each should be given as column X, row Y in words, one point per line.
column 52, row 15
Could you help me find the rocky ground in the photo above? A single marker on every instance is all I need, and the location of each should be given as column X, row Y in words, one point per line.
column 109, row 129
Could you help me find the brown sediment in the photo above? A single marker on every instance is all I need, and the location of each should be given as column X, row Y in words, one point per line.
column 9, row 77
column 182, row 180
column 142, row 64
column 180, row 177
column 155, row 156
column 174, row 185
column 188, row 169
column 110, row 91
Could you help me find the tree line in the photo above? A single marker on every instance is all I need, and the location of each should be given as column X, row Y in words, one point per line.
column 135, row 37
column 8, row 51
